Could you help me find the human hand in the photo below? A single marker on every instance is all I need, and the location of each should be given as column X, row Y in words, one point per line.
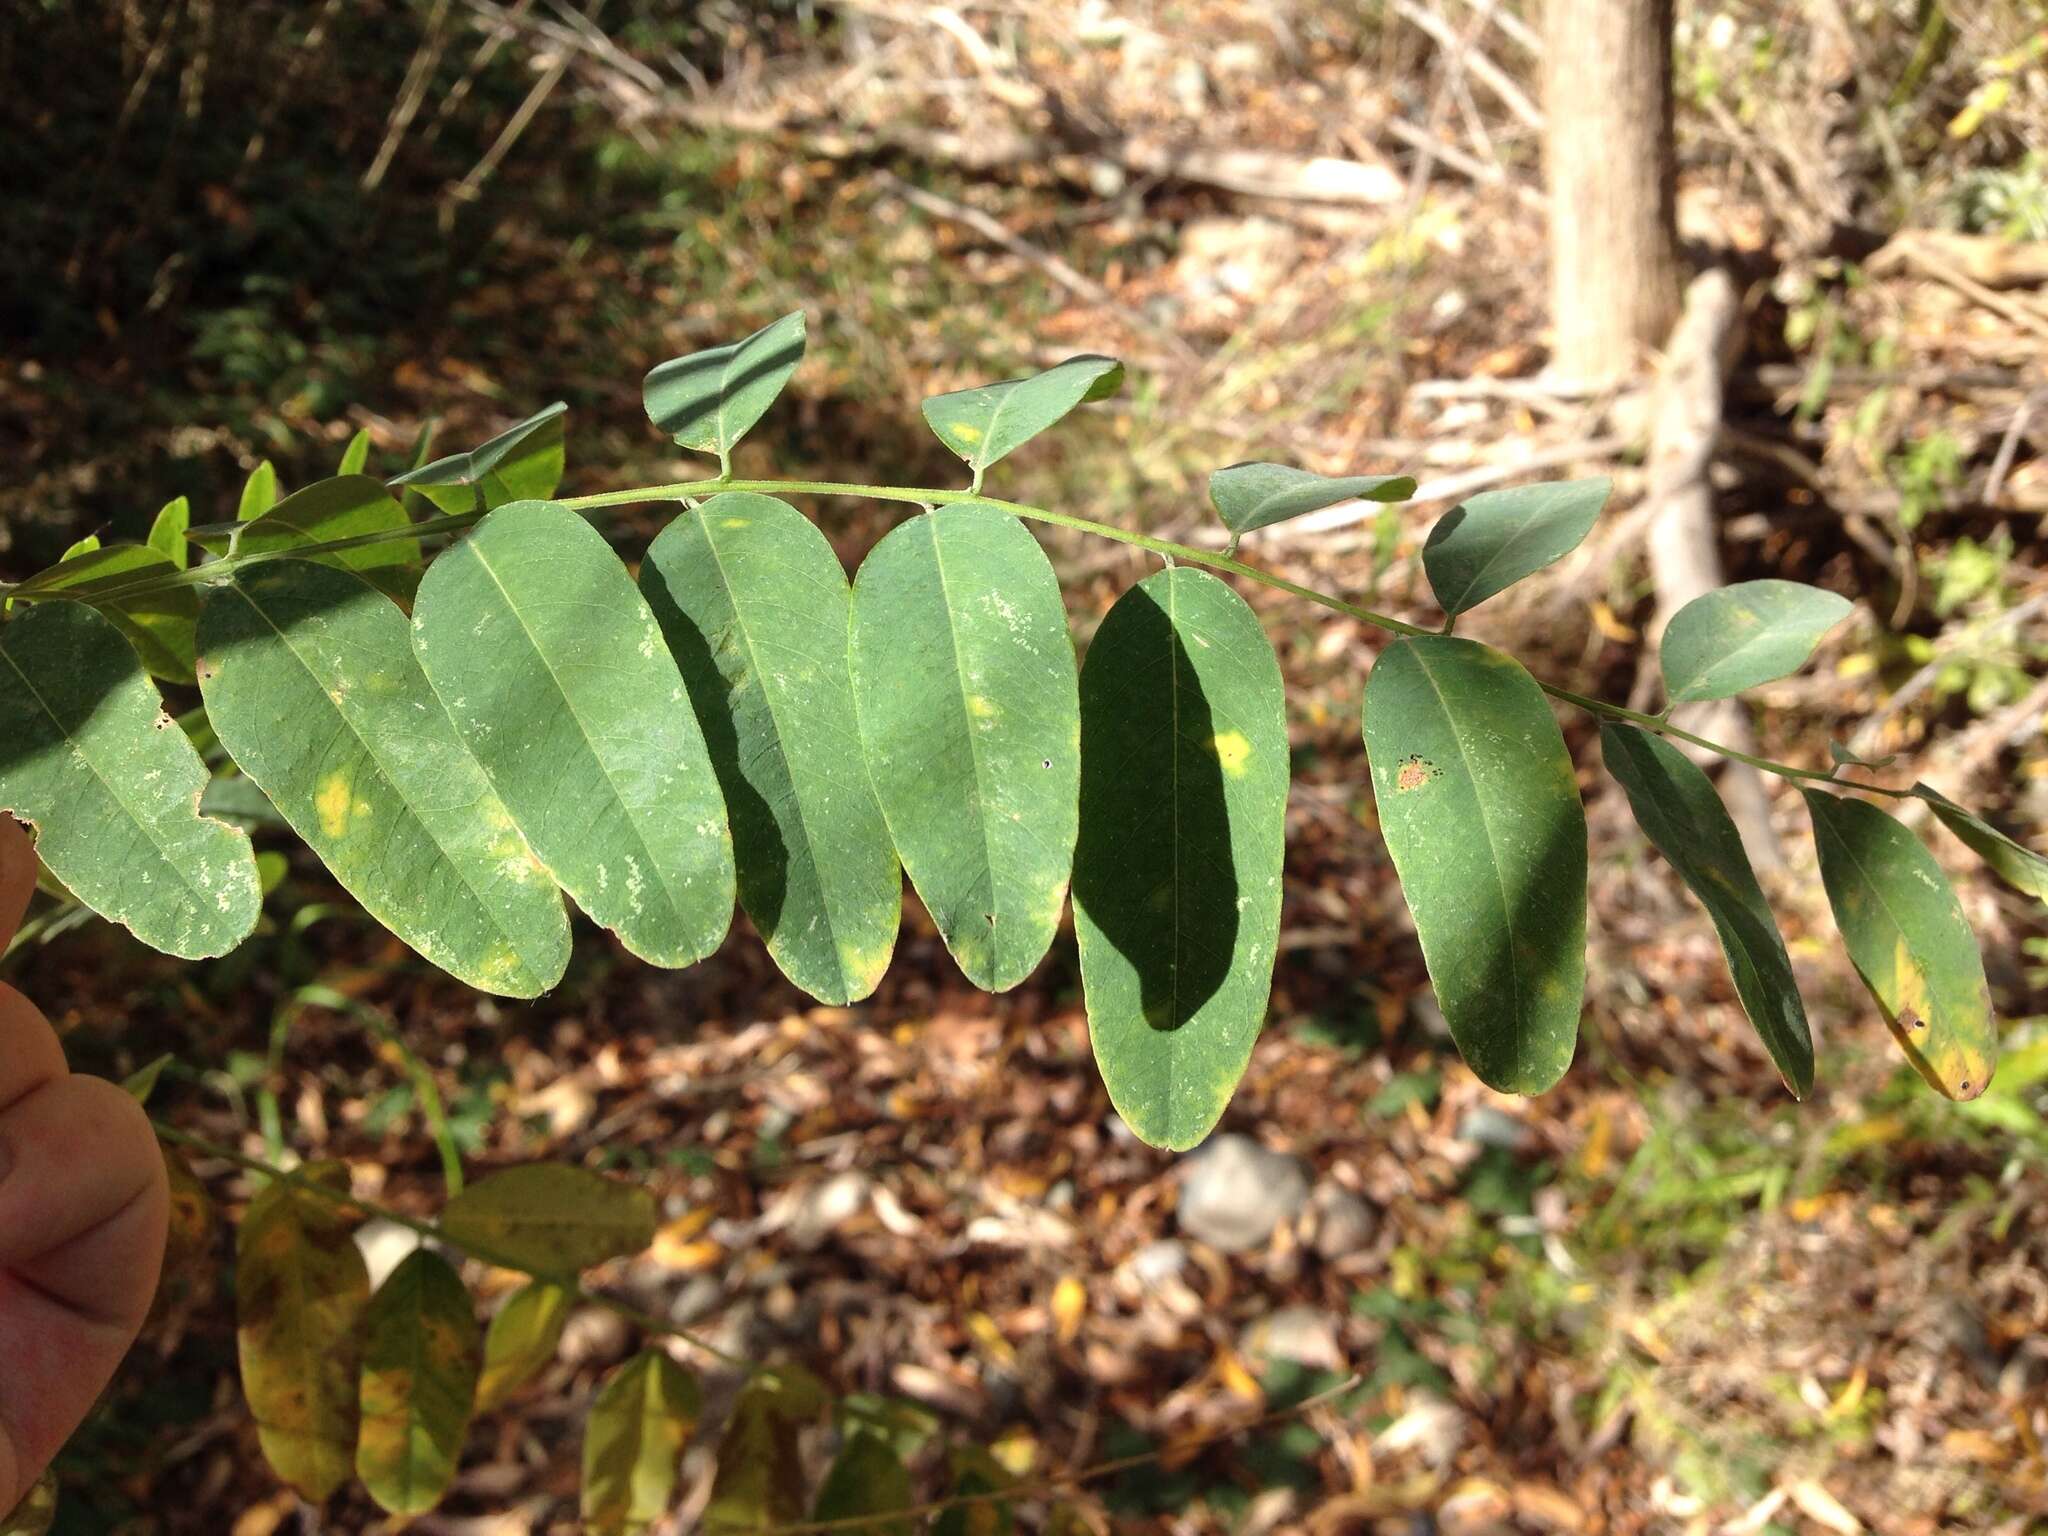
column 83, row 1211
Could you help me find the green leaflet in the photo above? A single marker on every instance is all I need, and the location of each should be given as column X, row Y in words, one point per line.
column 866, row 1478
column 356, row 454
column 310, row 681
column 550, row 1218
column 521, row 1341
column 167, row 532
column 1909, row 941
column 1248, row 496
column 1184, row 771
column 88, row 757
column 964, row 679
column 300, row 1293
column 985, row 423
column 755, row 608
column 977, row 1472
column 522, row 463
column 1481, row 812
column 1491, row 541
column 759, row 1483
column 710, row 399
column 2013, row 862
column 553, row 671
column 633, row 1441
column 158, row 624
column 1741, row 636
column 1677, row 807
column 259, row 492
column 420, row 1360
column 346, row 507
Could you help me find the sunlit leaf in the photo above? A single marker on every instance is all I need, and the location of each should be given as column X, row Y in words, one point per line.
column 987, row 422
column 866, row 1478
column 1676, row 805
column 259, row 493
column 1184, row 772
column 1909, row 941
column 2012, row 861
column 964, row 679
column 167, row 532
column 157, row 623
column 550, row 1218
column 710, row 399
column 309, row 679
column 300, row 1293
column 633, row 1441
column 521, row 1341
column 1488, row 542
column 553, row 670
column 1842, row 757
column 420, row 1361
column 755, row 609
column 1741, row 636
column 522, row 463
column 141, row 1083
column 347, row 507
column 356, row 454
column 84, row 546
column 759, row 1483
column 1481, row 812
column 1248, row 496
column 88, row 757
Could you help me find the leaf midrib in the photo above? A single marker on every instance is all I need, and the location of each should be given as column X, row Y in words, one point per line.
column 988, row 852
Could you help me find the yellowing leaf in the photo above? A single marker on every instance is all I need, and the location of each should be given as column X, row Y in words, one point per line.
column 420, row 1362
column 633, row 1441
column 1069, row 1307
column 521, row 1341
column 550, row 1218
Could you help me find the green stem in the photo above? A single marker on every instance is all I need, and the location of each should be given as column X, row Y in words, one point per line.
column 693, row 490
column 647, row 1322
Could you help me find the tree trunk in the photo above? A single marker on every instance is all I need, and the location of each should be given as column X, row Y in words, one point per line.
column 1614, row 273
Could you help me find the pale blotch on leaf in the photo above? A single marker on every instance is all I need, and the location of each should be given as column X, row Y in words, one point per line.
column 335, row 804
column 1414, row 773
column 1232, row 751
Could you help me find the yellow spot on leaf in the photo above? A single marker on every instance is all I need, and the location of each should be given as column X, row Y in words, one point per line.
column 980, row 707
column 334, row 804
column 967, row 432
column 1232, row 751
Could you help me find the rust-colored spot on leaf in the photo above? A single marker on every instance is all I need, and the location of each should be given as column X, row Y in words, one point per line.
column 1414, row 773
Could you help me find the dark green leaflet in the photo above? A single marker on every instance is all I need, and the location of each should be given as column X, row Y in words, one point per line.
column 1481, row 812
column 964, row 680
column 310, row 681
column 1183, row 827
column 88, row 757
column 755, row 608
column 710, row 399
column 1678, row 808
column 1249, row 496
column 158, row 624
column 522, row 463
column 1491, row 541
column 1742, row 636
column 551, row 1218
column 553, row 671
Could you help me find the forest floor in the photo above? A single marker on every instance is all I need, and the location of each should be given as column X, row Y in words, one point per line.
column 1663, row 1297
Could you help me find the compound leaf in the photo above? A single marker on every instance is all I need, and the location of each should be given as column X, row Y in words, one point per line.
column 710, row 399
column 1184, row 772
column 965, row 685
column 755, row 608
column 300, row 1294
column 1741, row 636
column 88, row 757
column 309, row 680
column 521, row 1341
column 553, row 671
column 550, row 1218
column 633, row 1441
column 1489, row 542
column 1677, row 807
column 522, row 463
column 866, row 1478
column 983, row 424
column 1248, row 496
column 1909, row 941
column 2013, row 862
column 158, row 623
column 420, row 1362
column 1480, row 809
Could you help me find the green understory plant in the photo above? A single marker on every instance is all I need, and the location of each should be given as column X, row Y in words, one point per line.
column 466, row 737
